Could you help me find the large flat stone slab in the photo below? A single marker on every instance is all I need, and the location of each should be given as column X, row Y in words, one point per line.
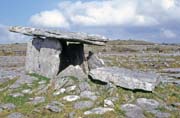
column 134, row 80
column 61, row 35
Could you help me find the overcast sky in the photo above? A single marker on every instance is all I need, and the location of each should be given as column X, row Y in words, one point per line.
column 150, row 20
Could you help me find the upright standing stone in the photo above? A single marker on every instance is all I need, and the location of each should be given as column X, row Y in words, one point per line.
column 49, row 58
column 43, row 57
column 94, row 61
column 32, row 55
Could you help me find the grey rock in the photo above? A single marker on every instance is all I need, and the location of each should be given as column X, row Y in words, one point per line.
column 162, row 115
column 71, row 98
column 174, row 75
column 126, row 78
column 16, row 115
column 147, row 104
column 68, row 77
column 3, row 80
column 42, row 82
column 166, row 80
column 84, row 86
column 49, row 57
column 6, row 75
column 37, row 100
column 159, row 114
column 177, row 104
column 73, row 71
column 60, row 91
column 41, row 89
column 89, row 95
column 94, row 61
column 71, row 114
column 1, row 110
column 110, row 88
column 83, row 104
column 11, row 61
column 54, row 107
column 71, row 88
column 24, row 79
column 113, row 99
column 3, row 89
column 32, row 55
column 27, row 91
column 108, row 103
column 60, row 35
column 132, row 111
column 43, row 57
column 16, row 95
column 7, row 106
column 37, row 110
column 99, row 110
column 171, row 70
column 64, row 82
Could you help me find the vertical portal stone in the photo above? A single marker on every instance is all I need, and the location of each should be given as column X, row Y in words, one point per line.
column 32, row 55
column 49, row 58
column 43, row 57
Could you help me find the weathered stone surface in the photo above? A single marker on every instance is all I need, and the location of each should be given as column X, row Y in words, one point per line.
column 37, row 100
column 63, row 36
column 71, row 88
column 27, row 91
column 32, row 55
column 147, row 104
column 16, row 115
column 108, row 103
column 49, row 57
column 7, row 106
column 60, row 91
column 71, row 98
column 16, row 95
column 174, row 75
column 43, row 57
column 162, row 115
column 84, row 86
column 171, row 70
column 6, row 75
column 54, row 106
column 132, row 111
column 71, row 114
column 72, row 71
column 94, row 61
column 99, row 110
column 126, row 78
column 68, row 77
column 64, row 82
column 89, row 95
column 83, row 104
column 42, row 82
column 11, row 61
column 24, row 79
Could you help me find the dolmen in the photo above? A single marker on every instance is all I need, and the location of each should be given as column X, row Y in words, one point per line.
column 51, row 51
column 57, row 54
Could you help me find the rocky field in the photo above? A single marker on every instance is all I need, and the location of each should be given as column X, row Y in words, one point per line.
column 79, row 96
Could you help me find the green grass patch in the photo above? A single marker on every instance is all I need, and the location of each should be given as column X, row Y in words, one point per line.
column 40, row 77
column 17, row 101
column 8, row 83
